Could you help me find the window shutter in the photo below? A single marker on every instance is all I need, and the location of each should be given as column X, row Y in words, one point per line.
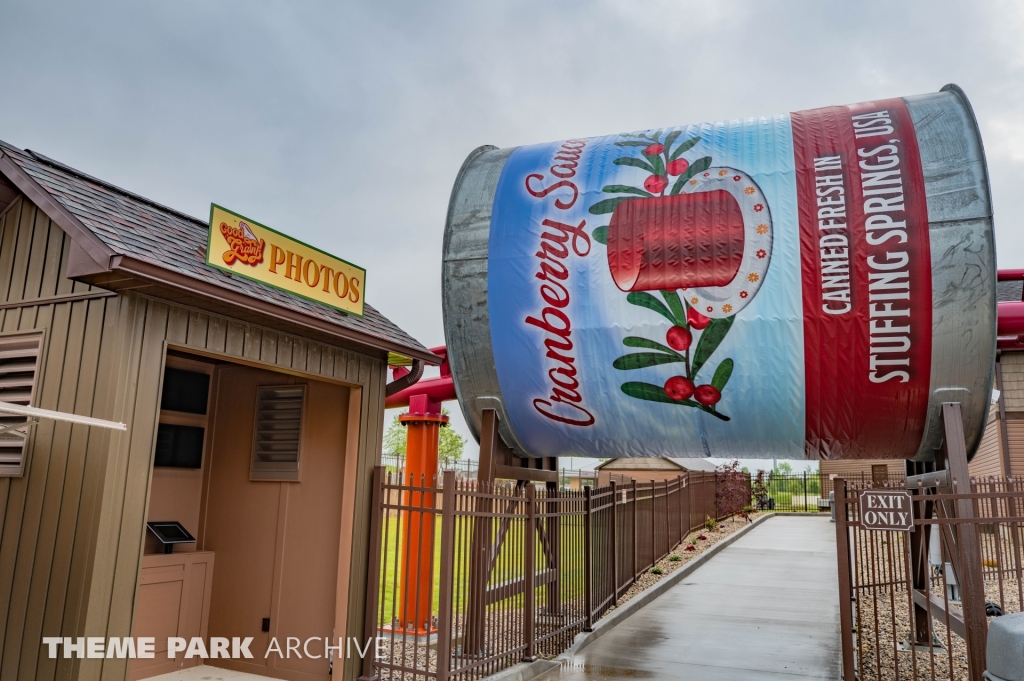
column 19, row 364
column 275, row 454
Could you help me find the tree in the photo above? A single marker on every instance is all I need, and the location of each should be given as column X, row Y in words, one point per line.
column 449, row 447
column 732, row 489
column 394, row 438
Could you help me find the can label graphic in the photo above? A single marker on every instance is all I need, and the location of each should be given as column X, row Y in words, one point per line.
column 750, row 288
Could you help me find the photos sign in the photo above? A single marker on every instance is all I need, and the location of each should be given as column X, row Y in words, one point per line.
column 247, row 248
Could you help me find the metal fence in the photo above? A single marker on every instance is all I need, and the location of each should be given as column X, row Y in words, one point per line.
column 807, row 492
column 467, row 579
column 916, row 605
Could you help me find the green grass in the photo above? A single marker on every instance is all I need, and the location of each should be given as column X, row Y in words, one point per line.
column 509, row 565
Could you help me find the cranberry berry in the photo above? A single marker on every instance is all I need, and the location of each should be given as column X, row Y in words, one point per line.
column 655, row 184
column 707, row 395
column 678, row 166
column 654, row 150
column 679, row 338
column 679, row 388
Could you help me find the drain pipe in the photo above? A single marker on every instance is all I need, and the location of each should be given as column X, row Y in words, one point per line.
column 406, row 379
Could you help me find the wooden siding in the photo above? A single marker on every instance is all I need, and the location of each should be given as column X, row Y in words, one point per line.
column 988, row 460
column 72, row 528
column 1013, row 380
column 1015, row 438
column 853, row 468
column 641, row 464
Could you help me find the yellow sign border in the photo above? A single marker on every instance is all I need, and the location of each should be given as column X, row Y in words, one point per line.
column 210, row 261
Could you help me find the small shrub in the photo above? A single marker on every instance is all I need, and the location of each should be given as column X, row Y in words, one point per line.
column 748, row 509
column 710, row 524
column 674, row 558
column 701, row 536
column 990, row 563
column 655, row 570
column 690, row 547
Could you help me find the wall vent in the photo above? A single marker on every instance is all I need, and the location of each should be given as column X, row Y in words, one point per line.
column 19, row 365
column 278, row 436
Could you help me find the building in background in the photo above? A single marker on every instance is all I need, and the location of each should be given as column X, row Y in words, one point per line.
column 1002, row 448
column 645, row 469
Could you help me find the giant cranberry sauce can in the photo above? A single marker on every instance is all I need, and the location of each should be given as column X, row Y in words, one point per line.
column 804, row 285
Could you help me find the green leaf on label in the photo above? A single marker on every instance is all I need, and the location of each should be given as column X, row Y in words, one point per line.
column 710, row 338
column 654, row 393
column 698, row 166
column 638, row 342
column 632, row 143
column 641, row 360
column 683, row 148
column 672, row 298
column 606, row 206
column 656, row 135
column 635, row 162
column 722, row 374
column 600, row 235
column 671, row 139
column 659, row 165
column 625, row 189
column 644, row 299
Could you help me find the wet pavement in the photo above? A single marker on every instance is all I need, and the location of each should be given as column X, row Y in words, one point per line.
column 764, row 608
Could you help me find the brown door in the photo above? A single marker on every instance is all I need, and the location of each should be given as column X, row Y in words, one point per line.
column 276, row 542
column 879, row 475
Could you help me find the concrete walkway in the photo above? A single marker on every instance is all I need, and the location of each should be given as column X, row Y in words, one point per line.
column 205, row 673
column 766, row 607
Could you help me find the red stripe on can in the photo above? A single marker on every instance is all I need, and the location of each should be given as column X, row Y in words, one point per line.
column 866, row 277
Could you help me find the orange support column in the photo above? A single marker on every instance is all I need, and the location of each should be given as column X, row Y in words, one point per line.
column 416, row 588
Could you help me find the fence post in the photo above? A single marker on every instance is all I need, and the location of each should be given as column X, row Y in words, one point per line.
column 635, row 529
column 529, row 572
column 845, row 583
column 373, row 571
column 668, row 523
column 805, row 491
column 682, row 530
column 654, row 534
column 444, row 599
column 972, row 585
column 588, row 596
column 615, row 542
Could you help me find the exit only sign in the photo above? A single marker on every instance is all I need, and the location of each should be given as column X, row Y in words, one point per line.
column 886, row 510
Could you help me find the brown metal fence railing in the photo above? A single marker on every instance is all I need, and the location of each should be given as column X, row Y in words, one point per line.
column 511, row 571
column 907, row 611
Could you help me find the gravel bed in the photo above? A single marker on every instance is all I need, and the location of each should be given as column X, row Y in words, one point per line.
column 884, row 612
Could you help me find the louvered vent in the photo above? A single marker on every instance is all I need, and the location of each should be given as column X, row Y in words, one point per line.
column 19, row 361
column 275, row 454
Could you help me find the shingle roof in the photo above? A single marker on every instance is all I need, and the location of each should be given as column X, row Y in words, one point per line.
column 133, row 226
column 1009, row 291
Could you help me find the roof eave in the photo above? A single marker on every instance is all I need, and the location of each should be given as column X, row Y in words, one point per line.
column 82, row 235
column 152, row 273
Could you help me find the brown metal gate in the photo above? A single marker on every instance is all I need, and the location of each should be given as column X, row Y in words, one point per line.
column 915, row 605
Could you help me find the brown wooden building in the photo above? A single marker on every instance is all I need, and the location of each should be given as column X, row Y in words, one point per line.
column 1002, row 448
column 645, row 469
column 108, row 309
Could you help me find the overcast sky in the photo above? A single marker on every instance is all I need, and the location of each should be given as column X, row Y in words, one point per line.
column 344, row 124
